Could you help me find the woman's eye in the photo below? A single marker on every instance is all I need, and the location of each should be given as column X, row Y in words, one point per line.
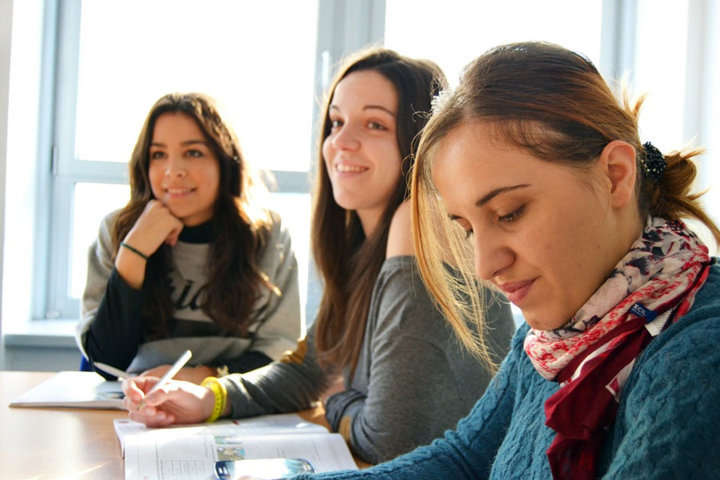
column 335, row 124
column 464, row 227
column 512, row 216
column 194, row 153
column 376, row 126
column 157, row 154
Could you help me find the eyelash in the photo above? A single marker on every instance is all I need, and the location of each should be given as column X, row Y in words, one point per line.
column 192, row 153
column 512, row 216
column 372, row 125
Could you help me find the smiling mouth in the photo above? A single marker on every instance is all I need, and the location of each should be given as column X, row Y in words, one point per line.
column 178, row 192
column 344, row 168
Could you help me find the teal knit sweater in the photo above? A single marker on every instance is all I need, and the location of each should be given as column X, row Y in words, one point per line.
column 667, row 424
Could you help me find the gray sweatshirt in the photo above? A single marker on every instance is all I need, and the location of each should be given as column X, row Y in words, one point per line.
column 112, row 329
column 413, row 378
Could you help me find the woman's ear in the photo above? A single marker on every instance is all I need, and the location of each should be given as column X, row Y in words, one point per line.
column 619, row 164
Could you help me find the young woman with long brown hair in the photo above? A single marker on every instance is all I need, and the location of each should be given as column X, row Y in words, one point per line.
column 404, row 376
column 192, row 261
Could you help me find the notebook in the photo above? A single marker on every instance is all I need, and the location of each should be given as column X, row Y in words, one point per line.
column 73, row 390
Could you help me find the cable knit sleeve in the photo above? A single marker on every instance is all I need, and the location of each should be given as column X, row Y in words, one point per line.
column 668, row 425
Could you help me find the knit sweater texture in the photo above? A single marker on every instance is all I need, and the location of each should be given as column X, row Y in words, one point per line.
column 667, row 424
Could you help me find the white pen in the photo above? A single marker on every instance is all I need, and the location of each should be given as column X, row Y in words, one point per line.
column 112, row 370
column 179, row 363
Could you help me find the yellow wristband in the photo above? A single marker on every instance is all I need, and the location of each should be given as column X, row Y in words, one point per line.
column 218, row 389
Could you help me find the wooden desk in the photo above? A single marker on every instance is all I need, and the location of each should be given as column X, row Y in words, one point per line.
column 44, row 443
column 58, row 443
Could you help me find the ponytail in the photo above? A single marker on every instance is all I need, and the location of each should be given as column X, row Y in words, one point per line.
column 669, row 196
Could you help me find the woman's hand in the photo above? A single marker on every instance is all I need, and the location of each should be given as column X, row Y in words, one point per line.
column 155, row 226
column 187, row 374
column 175, row 402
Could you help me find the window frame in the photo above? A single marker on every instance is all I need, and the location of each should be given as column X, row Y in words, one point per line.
column 343, row 26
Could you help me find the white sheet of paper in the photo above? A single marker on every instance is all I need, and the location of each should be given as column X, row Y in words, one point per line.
column 73, row 390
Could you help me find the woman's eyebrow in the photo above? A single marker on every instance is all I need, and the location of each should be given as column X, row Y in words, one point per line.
column 368, row 107
column 379, row 107
column 494, row 193
column 185, row 143
column 193, row 142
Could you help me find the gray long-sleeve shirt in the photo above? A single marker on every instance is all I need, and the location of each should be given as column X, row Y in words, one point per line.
column 413, row 378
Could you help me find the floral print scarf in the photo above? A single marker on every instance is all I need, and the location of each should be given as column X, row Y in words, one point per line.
column 593, row 354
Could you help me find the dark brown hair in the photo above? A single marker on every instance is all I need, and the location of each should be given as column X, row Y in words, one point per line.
column 348, row 262
column 234, row 281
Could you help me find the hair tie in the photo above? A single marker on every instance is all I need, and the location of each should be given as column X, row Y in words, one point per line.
column 654, row 162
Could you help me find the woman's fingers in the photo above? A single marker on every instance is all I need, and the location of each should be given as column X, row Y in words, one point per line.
column 173, row 402
column 155, row 225
column 152, row 417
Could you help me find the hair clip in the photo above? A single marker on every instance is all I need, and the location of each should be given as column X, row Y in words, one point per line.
column 653, row 162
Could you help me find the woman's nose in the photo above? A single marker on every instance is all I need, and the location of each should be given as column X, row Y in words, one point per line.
column 346, row 138
column 175, row 168
column 491, row 257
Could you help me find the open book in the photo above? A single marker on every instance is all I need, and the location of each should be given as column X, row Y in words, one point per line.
column 74, row 390
column 191, row 452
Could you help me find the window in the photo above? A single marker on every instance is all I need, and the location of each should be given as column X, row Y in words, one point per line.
column 268, row 63
column 115, row 62
column 675, row 48
column 463, row 30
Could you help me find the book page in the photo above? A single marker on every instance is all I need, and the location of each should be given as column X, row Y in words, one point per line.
column 168, row 456
column 286, row 423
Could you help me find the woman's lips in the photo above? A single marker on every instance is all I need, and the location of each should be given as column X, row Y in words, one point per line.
column 178, row 192
column 516, row 291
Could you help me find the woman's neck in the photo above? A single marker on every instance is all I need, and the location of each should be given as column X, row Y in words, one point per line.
column 369, row 220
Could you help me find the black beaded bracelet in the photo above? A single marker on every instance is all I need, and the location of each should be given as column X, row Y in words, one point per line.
column 134, row 250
